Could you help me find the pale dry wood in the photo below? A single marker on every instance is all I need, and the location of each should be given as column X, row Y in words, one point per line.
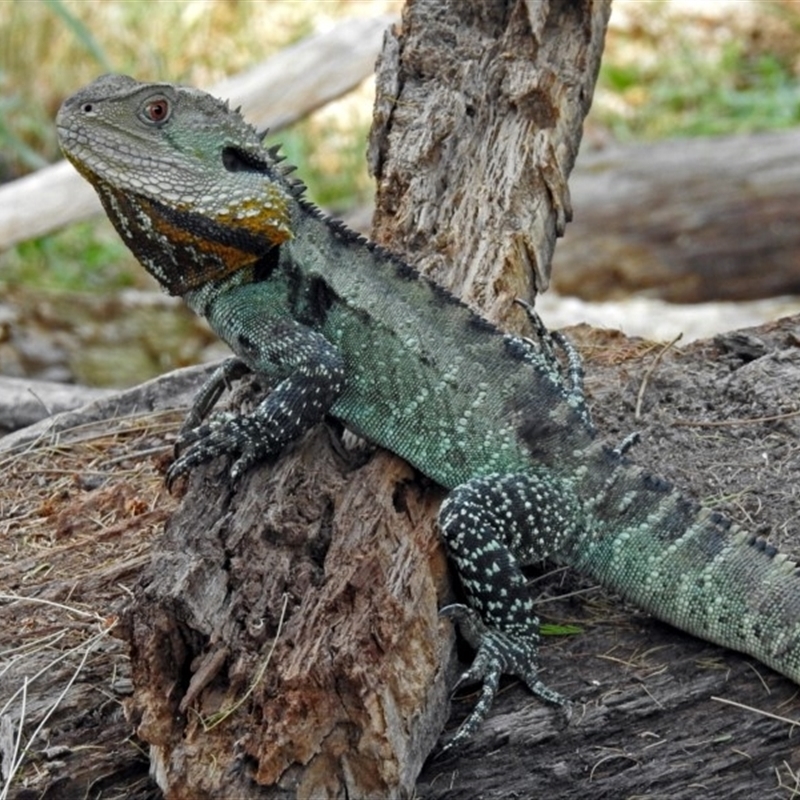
column 172, row 391
column 309, row 74
column 685, row 220
column 281, row 90
column 23, row 401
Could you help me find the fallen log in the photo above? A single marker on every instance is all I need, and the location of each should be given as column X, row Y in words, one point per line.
column 650, row 719
column 24, row 401
column 685, row 220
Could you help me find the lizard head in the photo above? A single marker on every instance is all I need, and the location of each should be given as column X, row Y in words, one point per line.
column 186, row 181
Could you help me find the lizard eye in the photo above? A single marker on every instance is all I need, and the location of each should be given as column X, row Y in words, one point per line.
column 157, row 110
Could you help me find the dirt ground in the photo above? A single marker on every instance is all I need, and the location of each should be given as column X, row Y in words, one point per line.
column 721, row 419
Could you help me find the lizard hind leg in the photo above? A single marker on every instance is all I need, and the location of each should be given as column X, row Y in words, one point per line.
column 492, row 525
column 571, row 379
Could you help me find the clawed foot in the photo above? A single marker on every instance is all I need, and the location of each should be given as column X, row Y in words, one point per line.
column 223, row 377
column 497, row 654
column 224, row 434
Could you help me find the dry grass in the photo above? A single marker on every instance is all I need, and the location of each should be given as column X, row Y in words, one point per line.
column 43, row 57
column 78, row 517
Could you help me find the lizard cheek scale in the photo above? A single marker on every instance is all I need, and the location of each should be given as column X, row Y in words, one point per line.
column 337, row 325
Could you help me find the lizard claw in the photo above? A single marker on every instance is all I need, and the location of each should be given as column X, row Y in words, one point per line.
column 196, row 445
column 497, row 653
column 230, row 370
column 200, row 441
column 226, row 434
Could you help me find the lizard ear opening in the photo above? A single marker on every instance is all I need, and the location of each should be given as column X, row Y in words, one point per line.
column 236, row 160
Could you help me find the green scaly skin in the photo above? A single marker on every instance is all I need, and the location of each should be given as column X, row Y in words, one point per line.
column 342, row 327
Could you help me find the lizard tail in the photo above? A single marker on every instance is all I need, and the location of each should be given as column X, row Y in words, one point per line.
column 693, row 568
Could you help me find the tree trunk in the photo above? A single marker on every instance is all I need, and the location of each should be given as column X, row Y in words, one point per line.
column 301, row 607
column 477, row 125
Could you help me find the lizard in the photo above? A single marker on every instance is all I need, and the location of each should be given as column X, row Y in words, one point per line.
column 342, row 327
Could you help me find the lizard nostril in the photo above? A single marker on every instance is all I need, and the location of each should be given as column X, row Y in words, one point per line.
column 87, row 108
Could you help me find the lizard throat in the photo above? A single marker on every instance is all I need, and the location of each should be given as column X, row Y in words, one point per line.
column 183, row 250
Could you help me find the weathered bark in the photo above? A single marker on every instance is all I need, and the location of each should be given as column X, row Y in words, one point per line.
column 687, row 221
column 354, row 696
column 477, row 124
column 349, row 699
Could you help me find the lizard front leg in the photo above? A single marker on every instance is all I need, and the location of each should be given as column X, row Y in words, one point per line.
column 492, row 525
column 311, row 376
column 230, row 370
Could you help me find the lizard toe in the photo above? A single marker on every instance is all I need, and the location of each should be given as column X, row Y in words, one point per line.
column 190, row 435
column 225, row 434
column 497, row 653
column 182, row 465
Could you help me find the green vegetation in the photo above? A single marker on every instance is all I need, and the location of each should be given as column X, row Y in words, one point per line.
column 663, row 75
column 88, row 256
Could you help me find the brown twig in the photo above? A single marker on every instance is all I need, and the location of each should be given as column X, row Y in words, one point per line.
column 640, row 395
